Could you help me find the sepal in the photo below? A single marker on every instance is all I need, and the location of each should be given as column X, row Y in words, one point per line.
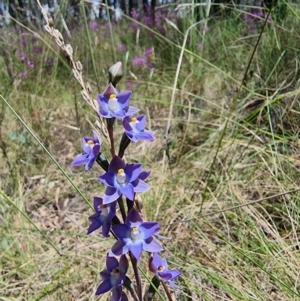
column 102, row 161
column 125, row 141
column 155, row 282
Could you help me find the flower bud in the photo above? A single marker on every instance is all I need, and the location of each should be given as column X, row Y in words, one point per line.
column 153, row 288
column 115, row 73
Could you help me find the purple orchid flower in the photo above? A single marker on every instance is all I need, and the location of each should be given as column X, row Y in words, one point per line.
column 115, row 104
column 113, row 277
column 124, row 179
column 159, row 266
column 103, row 216
column 135, row 236
column 91, row 148
column 135, row 128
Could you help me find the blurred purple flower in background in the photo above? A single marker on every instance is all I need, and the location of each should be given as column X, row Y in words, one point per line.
column 30, row 64
column 124, row 179
column 91, row 148
column 121, row 48
column 113, row 278
column 24, row 41
column 140, row 61
column 94, row 26
column 149, row 52
column 134, row 14
column 37, row 50
column 23, row 57
column 159, row 267
column 254, row 16
column 135, row 128
column 135, row 236
column 130, row 85
column 102, row 217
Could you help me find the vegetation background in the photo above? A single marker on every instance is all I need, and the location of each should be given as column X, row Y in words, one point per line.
column 221, row 93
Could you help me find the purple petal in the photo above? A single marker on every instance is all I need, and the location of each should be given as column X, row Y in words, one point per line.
column 133, row 217
column 111, row 194
column 90, row 163
column 97, row 203
column 140, row 186
column 165, row 275
column 123, row 99
column 142, row 122
column 119, row 248
column 123, row 264
column 147, row 136
column 116, row 164
column 152, row 247
column 144, row 175
column 175, row 274
column 136, row 249
column 105, row 114
column 105, row 274
column 103, row 103
column 94, row 216
column 132, row 136
column 112, row 211
column 105, row 228
column 126, row 124
column 122, row 231
column 133, row 171
column 96, row 224
column 128, row 191
column 79, row 160
column 110, row 89
column 164, row 263
column 116, row 293
column 131, row 111
column 149, row 228
column 119, row 114
column 104, row 287
column 156, row 260
column 96, row 150
column 172, row 284
column 111, row 263
column 108, row 179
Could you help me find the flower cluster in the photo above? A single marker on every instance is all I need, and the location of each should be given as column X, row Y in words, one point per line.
column 145, row 60
column 122, row 181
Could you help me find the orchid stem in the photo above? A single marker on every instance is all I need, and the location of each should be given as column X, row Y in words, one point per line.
column 110, row 129
column 122, row 208
column 167, row 291
column 136, row 275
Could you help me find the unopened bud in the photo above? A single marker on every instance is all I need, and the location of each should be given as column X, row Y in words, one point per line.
column 115, row 73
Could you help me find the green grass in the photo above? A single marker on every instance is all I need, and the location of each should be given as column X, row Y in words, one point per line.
column 226, row 193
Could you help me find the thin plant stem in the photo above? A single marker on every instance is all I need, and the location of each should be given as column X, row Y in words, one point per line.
column 110, row 129
column 167, row 291
column 122, row 208
column 136, row 275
